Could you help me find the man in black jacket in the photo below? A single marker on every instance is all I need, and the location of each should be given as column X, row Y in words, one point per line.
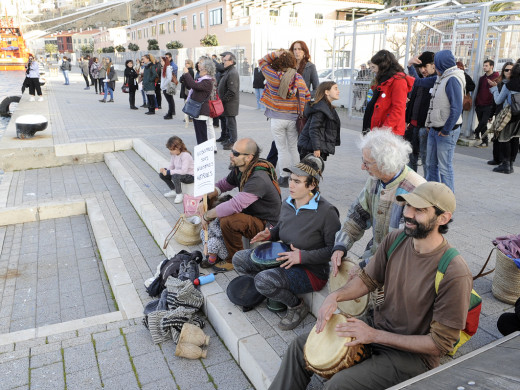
column 229, row 93
column 416, row 113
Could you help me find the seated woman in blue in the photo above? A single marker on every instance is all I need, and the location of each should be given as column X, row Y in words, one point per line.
column 307, row 224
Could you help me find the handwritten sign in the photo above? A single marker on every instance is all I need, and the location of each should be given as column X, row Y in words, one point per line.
column 204, row 168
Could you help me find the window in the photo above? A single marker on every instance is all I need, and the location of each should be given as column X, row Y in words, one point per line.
column 194, row 21
column 215, row 16
column 84, row 40
column 274, row 12
column 161, row 28
column 139, row 34
column 154, row 31
column 293, row 14
column 169, row 27
column 174, row 26
column 318, row 16
column 202, row 21
column 184, row 23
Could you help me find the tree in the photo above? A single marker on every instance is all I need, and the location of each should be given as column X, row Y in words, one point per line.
column 87, row 49
column 174, row 45
column 120, row 48
column 133, row 47
column 153, row 44
column 51, row 48
column 209, row 40
column 109, row 49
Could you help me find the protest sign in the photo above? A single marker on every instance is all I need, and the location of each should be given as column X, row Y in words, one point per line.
column 204, row 168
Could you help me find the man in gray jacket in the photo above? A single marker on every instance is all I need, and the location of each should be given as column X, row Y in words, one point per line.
column 229, row 93
column 83, row 65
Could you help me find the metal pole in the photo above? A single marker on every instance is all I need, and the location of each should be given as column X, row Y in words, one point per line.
column 497, row 50
column 479, row 59
column 352, row 66
column 385, row 29
column 454, row 36
column 408, row 36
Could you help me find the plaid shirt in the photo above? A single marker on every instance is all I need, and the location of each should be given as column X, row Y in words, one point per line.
column 376, row 208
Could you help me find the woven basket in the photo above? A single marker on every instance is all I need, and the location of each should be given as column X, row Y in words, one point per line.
column 506, row 281
column 186, row 231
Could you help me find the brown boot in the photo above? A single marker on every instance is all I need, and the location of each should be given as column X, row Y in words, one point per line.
column 294, row 316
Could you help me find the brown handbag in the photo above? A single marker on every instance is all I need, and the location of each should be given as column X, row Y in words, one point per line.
column 174, row 79
column 467, row 102
column 301, row 120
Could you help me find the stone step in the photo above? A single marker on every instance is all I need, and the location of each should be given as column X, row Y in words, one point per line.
column 253, row 337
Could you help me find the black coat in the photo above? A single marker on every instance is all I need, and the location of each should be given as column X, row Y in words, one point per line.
column 258, row 79
column 184, row 89
column 131, row 78
column 322, row 130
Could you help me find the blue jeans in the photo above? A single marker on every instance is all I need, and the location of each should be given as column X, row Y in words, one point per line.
column 108, row 90
column 423, row 148
column 440, row 157
column 144, row 97
column 258, row 94
column 66, row 75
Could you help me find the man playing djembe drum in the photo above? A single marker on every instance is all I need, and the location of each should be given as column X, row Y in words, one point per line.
column 415, row 325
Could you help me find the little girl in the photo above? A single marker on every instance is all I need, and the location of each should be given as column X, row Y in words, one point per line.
column 180, row 169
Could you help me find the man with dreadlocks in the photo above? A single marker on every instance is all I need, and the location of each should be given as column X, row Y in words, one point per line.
column 256, row 206
column 308, row 224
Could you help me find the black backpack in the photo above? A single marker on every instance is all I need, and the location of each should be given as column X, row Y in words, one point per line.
column 184, row 265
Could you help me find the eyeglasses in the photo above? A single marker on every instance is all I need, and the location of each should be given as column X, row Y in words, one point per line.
column 507, row 70
column 367, row 164
column 236, row 154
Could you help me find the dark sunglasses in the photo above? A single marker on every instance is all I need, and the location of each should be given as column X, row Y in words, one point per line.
column 507, row 70
column 236, row 154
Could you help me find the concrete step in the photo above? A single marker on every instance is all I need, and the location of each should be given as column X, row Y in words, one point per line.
column 253, row 338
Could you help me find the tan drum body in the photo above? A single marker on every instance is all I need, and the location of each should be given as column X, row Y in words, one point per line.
column 353, row 308
column 326, row 354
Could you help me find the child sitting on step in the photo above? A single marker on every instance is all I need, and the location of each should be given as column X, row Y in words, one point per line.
column 180, row 169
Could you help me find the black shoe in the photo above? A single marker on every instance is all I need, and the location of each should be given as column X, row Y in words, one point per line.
column 220, row 139
column 111, row 101
column 159, row 108
column 103, row 101
column 482, row 145
column 492, row 162
column 144, row 105
column 477, row 136
column 149, row 113
column 134, row 108
column 283, row 181
column 167, row 117
column 511, row 170
column 505, row 167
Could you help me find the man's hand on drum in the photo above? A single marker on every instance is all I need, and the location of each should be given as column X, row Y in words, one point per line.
column 264, row 235
column 329, row 306
column 290, row 258
column 358, row 330
column 336, row 258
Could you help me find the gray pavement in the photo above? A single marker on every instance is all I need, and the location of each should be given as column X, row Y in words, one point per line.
column 122, row 355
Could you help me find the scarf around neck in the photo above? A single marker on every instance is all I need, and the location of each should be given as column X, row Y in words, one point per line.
column 285, row 82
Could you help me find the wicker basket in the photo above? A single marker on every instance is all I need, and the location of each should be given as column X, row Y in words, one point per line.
column 506, row 281
column 186, row 231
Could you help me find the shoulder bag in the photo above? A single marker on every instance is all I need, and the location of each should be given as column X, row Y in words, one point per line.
column 467, row 102
column 171, row 88
column 174, row 79
column 192, row 107
column 125, row 88
column 301, row 120
column 501, row 120
column 216, row 108
column 515, row 103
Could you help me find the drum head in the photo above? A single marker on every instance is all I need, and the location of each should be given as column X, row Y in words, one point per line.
column 266, row 254
column 355, row 307
column 326, row 350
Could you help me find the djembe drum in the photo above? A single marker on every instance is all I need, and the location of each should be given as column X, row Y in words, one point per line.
column 325, row 353
column 355, row 307
column 265, row 255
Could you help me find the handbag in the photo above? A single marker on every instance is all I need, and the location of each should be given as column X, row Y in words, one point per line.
column 515, row 103
column 125, row 88
column 171, row 88
column 301, row 120
column 467, row 102
column 186, row 231
column 192, row 108
column 216, row 108
column 174, row 79
column 501, row 120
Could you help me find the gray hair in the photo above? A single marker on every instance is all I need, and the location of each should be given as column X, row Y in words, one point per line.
column 207, row 64
column 390, row 151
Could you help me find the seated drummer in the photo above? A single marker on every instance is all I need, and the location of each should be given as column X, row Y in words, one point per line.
column 414, row 326
column 308, row 224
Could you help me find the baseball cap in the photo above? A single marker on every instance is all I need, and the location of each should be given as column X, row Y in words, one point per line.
column 430, row 194
column 225, row 53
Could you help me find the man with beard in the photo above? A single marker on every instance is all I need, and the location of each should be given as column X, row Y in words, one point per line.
column 415, row 325
column 256, row 206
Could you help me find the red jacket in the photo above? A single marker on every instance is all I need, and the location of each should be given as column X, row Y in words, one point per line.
column 390, row 107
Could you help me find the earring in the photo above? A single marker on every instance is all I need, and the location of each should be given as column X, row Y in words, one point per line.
column 310, row 193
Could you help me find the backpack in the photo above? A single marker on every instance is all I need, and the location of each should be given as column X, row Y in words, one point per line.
column 475, row 301
column 184, row 265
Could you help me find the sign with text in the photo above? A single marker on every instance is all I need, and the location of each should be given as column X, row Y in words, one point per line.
column 204, row 168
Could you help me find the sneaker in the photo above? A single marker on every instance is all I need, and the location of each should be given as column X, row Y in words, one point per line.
column 170, row 194
column 111, row 101
column 283, row 181
column 206, row 263
column 294, row 316
column 103, row 101
column 223, row 266
column 86, row 88
column 178, row 198
column 40, row 99
column 32, row 99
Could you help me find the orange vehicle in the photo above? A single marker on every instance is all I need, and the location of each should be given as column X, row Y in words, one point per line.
column 13, row 52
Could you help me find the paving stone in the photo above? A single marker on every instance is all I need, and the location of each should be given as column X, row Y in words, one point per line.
column 22, row 324
column 48, row 314
column 56, row 338
column 46, row 348
column 151, row 367
column 114, row 362
column 72, row 313
column 126, row 381
column 14, row 373
column 140, row 342
column 77, row 341
column 79, row 357
column 84, row 379
column 49, row 297
column 45, row 359
column 23, row 345
column 189, row 374
column 48, row 377
column 108, row 340
column 227, row 375
column 163, row 384
column 6, row 348
column 92, row 329
column 14, row 355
